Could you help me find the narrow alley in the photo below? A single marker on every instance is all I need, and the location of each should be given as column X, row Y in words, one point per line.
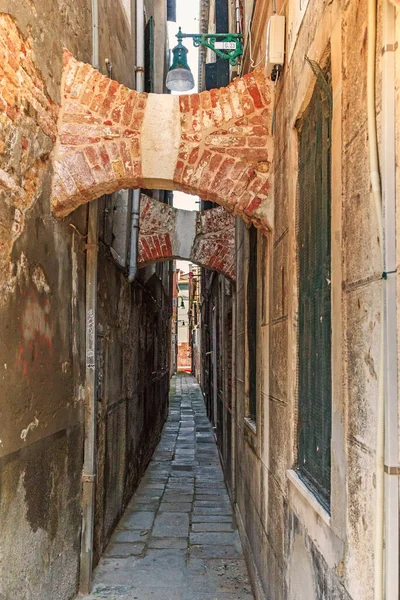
column 177, row 539
column 199, row 299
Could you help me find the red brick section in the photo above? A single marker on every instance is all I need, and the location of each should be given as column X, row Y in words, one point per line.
column 157, row 231
column 212, row 246
column 98, row 144
column 225, row 152
column 28, row 130
column 226, row 149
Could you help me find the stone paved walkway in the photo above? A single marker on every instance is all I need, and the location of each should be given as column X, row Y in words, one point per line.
column 177, row 539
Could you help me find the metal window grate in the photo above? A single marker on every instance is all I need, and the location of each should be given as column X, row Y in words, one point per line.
column 314, row 336
column 252, row 321
column 149, row 56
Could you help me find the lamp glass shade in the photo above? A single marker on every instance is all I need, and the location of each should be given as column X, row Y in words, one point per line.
column 179, row 80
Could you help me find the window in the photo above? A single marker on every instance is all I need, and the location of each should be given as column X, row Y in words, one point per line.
column 314, row 301
column 149, row 56
column 265, row 282
column 252, row 323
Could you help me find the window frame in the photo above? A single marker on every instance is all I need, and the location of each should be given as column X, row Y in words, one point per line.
column 329, row 530
column 262, row 321
column 319, row 487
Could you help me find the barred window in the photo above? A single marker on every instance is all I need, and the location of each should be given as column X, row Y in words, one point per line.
column 252, row 323
column 314, row 276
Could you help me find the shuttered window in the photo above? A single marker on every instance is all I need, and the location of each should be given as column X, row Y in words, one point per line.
column 252, row 323
column 314, row 276
column 149, row 56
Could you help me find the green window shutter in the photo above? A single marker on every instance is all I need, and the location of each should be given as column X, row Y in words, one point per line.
column 314, row 252
column 252, row 322
column 149, row 56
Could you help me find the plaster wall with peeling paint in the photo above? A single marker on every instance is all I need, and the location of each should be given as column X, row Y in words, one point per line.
column 295, row 549
column 42, row 315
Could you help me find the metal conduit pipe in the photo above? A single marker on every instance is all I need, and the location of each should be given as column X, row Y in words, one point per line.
column 377, row 194
column 135, row 215
column 391, row 489
column 89, row 464
column 247, row 34
column 386, row 550
column 238, row 17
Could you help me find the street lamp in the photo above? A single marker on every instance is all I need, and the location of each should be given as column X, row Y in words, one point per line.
column 225, row 45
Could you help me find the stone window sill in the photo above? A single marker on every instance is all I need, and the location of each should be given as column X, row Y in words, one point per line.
column 251, row 424
column 315, row 520
column 303, row 490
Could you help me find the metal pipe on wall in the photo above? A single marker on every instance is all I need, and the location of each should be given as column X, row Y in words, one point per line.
column 89, row 464
column 238, row 16
column 391, row 534
column 377, row 195
column 386, row 543
column 135, row 216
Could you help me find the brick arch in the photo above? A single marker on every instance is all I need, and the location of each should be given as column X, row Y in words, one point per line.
column 216, row 144
column 206, row 238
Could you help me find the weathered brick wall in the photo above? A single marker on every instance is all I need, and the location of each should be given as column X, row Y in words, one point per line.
column 28, row 131
column 41, row 289
column 42, row 316
column 297, row 553
column 205, row 238
column 219, row 143
column 226, row 150
column 132, row 392
column 184, row 356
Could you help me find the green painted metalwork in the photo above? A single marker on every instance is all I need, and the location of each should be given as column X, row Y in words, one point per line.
column 149, row 56
column 252, row 321
column 179, row 60
column 314, row 313
column 210, row 39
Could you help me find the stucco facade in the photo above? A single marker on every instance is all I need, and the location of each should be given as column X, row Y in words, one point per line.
column 42, row 311
column 297, row 548
column 71, row 133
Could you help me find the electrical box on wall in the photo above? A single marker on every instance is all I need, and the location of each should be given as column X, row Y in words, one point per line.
column 275, row 46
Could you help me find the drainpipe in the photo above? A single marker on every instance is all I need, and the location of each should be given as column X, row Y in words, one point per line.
column 391, row 489
column 135, row 216
column 238, row 15
column 386, row 551
column 89, row 464
column 377, row 195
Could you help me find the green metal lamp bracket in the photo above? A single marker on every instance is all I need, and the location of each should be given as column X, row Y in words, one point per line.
column 225, row 45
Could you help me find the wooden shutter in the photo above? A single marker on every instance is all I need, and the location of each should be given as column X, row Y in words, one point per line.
column 314, row 335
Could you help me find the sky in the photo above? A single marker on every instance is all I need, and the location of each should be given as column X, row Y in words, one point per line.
column 187, row 17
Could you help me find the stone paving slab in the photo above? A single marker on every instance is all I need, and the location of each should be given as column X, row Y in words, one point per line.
column 171, row 524
column 205, row 527
column 213, row 538
column 137, row 520
column 168, row 543
column 122, row 550
column 178, row 538
column 212, row 518
column 130, row 535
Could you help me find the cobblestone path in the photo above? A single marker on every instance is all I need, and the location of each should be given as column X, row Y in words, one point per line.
column 177, row 539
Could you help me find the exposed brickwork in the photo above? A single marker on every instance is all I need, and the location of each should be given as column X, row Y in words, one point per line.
column 225, row 150
column 98, row 144
column 209, row 243
column 157, row 231
column 214, row 245
column 28, row 129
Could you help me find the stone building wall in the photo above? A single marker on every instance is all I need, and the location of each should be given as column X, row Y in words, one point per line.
column 133, row 383
column 295, row 548
column 42, row 312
